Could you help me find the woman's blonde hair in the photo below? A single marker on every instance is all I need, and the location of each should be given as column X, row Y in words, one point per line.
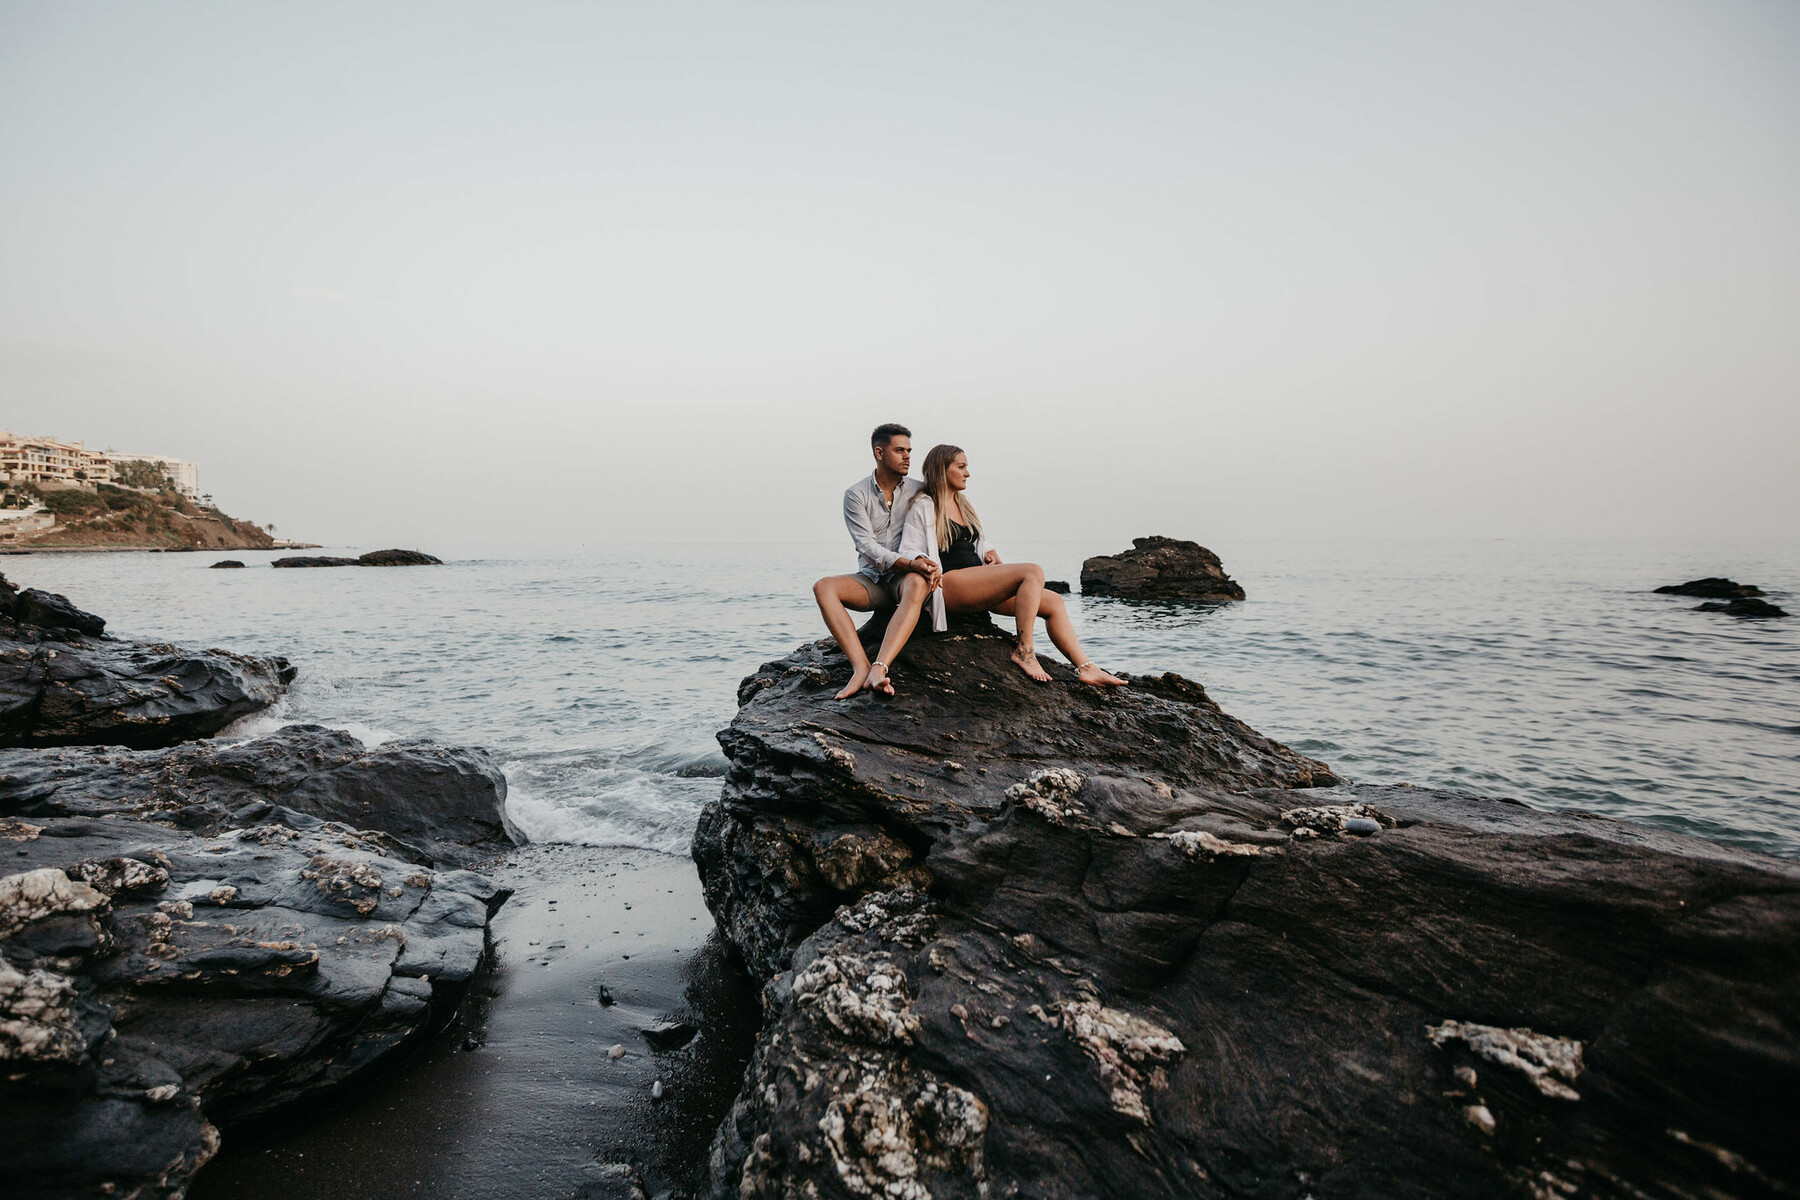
column 937, row 486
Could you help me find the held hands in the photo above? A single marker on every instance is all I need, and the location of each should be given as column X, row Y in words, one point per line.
column 933, row 574
column 991, row 557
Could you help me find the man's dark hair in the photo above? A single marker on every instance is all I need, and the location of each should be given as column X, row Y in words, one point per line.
column 886, row 433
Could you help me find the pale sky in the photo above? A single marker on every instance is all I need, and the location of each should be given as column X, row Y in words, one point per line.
column 412, row 274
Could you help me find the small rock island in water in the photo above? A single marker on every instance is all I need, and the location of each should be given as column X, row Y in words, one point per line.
column 1160, row 568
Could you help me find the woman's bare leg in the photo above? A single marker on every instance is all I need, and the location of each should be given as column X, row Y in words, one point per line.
column 900, row 627
column 986, row 588
column 1062, row 635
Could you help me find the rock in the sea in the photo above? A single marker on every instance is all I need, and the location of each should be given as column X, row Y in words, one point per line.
column 374, row 558
column 425, row 802
column 1117, row 954
column 1710, row 588
column 179, row 954
column 1059, row 586
column 1160, row 568
column 1744, row 606
column 225, row 564
column 35, row 609
column 62, row 683
column 398, row 558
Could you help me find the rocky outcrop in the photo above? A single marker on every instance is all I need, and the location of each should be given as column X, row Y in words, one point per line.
column 439, row 805
column 1111, row 944
column 828, row 800
column 1744, row 607
column 399, row 558
column 226, row 564
column 374, row 558
column 63, row 683
column 1160, row 568
column 1711, row 588
column 199, row 936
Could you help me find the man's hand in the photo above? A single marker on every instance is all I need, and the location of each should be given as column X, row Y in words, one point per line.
column 991, row 557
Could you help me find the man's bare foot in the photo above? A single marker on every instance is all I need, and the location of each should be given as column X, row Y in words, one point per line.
column 1029, row 664
column 858, row 676
column 878, row 680
column 1089, row 673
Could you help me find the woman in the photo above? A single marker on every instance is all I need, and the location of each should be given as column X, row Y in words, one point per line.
column 942, row 526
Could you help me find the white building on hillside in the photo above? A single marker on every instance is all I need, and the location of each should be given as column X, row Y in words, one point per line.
column 49, row 461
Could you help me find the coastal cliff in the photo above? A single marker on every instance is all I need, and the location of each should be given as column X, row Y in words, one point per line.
column 1045, row 940
column 135, row 519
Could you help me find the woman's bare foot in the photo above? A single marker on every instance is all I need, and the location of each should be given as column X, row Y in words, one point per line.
column 1089, row 673
column 878, row 680
column 1029, row 664
column 858, row 677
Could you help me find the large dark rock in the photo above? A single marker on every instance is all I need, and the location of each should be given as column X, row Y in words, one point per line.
column 191, row 941
column 440, row 805
column 305, row 560
column 1744, row 607
column 398, row 558
column 225, row 564
column 827, row 800
column 1160, row 568
column 63, row 684
column 1100, row 944
column 1710, row 588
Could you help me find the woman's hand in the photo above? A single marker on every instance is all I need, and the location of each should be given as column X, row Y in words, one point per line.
column 991, row 557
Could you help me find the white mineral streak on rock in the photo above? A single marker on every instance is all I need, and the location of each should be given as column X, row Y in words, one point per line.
column 865, row 997
column 37, row 1016
column 881, row 1140
column 1050, row 793
column 1199, row 845
column 1126, row 1048
column 33, row 895
column 842, row 759
column 1541, row 1057
column 1330, row 818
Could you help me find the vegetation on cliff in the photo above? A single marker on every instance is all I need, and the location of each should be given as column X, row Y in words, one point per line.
column 109, row 515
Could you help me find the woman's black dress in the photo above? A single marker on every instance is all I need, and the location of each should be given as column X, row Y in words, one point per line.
column 961, row 551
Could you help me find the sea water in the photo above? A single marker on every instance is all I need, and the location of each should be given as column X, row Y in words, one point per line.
column 597, row 677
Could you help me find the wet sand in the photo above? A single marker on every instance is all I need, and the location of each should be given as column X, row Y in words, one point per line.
column 519, row 1097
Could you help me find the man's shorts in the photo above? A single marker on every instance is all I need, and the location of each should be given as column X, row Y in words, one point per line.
column 884, row 591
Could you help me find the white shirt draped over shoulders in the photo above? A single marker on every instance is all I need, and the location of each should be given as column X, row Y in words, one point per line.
column 919, row 540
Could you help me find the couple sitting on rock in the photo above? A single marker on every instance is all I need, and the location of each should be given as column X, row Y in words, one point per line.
column 918, row 541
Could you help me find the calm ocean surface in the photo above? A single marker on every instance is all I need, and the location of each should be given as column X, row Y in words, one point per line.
column 1545, row 672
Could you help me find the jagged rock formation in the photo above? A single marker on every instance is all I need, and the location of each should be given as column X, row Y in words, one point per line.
column 1160, row 568
column 62, row 682
column 194, row 937
column 1712, row 587
column 1101, row 944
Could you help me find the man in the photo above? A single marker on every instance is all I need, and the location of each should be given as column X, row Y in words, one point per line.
column 875, row 513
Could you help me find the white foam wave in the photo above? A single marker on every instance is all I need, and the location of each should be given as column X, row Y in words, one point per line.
column 614, row 807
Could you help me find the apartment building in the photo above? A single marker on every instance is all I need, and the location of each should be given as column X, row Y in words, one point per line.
column 46, row 460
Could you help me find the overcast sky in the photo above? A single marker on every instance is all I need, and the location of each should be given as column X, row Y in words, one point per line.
column 437, row 273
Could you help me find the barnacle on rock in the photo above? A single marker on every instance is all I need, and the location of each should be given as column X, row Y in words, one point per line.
column 1551, row 1063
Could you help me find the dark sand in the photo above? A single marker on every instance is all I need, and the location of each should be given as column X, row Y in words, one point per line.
column 537, row 1108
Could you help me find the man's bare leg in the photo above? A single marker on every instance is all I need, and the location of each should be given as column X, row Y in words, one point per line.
column 913, row 590
column 1062, row 635
column 837, row 594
